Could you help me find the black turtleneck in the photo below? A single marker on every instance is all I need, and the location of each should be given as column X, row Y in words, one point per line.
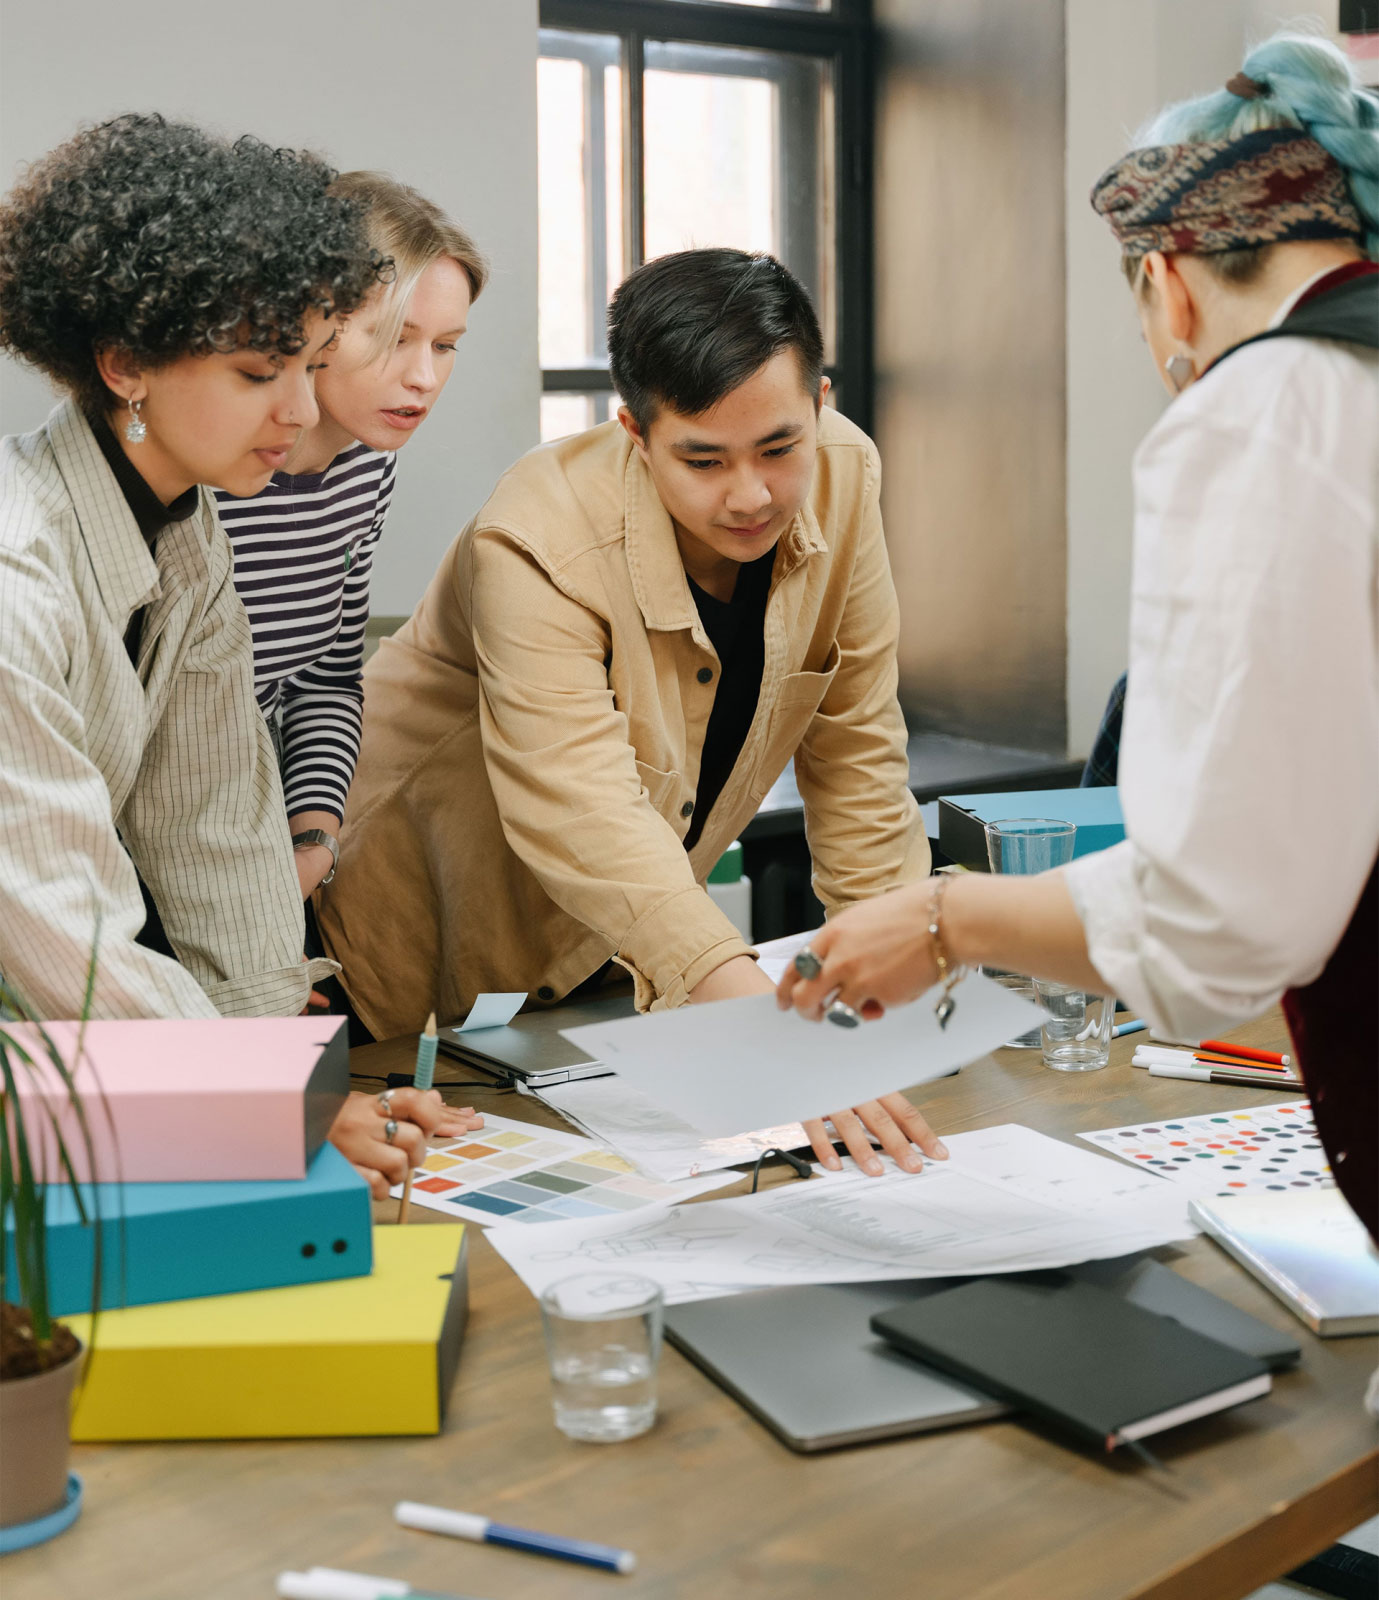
column 149, row 511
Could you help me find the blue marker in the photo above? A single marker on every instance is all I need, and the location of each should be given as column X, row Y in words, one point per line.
column 465, row 1525
column 1127, row 1027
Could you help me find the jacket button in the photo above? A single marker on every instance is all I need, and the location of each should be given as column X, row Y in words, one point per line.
column 545, row 992
column 705, row 674
column 687, row 810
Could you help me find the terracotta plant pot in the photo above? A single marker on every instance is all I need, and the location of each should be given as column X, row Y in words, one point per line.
column 35, row 1430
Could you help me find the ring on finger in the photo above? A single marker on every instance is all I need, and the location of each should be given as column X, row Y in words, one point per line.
column 385, row 1102
column 390, row 1130
column 842, row 1014
column 808, row 964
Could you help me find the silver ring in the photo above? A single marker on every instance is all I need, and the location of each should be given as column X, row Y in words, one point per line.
column 843, row 1015
column 385, row 1102
column 390, row 1130
column 808, row 964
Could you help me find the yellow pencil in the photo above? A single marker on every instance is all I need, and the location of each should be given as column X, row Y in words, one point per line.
column 425, row 1075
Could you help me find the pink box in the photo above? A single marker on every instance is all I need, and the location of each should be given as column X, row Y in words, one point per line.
column 228, row 1099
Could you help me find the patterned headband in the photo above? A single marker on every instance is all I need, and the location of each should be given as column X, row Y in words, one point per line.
column 1199, row 199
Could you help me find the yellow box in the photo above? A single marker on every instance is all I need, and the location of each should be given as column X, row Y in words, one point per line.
column 373, row 1355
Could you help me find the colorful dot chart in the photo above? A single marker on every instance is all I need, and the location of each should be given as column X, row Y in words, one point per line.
column 516, row 1172
column 1264, row 1150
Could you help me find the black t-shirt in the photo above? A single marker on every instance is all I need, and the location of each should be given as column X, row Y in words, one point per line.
column 736, row 629
column 149, row 511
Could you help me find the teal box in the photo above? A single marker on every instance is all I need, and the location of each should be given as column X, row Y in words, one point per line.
column 962, row 819
column 181, row 1241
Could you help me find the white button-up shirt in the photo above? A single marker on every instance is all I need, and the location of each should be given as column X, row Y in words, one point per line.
column 1249, row 765
column 105, row 765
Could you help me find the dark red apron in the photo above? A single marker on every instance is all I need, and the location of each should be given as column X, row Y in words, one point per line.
column 1334, row 1022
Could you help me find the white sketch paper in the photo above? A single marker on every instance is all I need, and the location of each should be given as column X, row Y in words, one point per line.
column 655, row 1140
column 1007, row 1200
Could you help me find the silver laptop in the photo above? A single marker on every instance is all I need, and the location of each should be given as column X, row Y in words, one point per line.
column 529, row 1050
column 804, row 1361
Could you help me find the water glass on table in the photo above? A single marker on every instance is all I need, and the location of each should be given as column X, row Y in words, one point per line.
column 603, row 1340
column 1076, row 1035
column 1026, row 845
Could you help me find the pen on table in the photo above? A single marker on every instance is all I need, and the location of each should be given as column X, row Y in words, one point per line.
column 326, row 1583
column 1242, row 1052
column 1145, row 1054
column 466, row 1525
column 1210, row 1075
column 423, row 1079
column 1127, row 1027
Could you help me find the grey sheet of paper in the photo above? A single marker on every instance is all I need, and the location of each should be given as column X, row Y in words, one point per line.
column 492, row 1011
column 736, row 1065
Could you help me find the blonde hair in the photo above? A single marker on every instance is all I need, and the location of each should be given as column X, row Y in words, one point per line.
column 412, row 233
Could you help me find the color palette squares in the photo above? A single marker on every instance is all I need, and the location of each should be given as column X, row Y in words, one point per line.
column 517, row 1172
column 1257, row 1151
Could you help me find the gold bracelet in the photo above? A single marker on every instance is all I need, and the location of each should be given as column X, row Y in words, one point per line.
column 950, row 976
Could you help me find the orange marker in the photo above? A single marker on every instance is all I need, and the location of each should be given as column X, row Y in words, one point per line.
column 1243, row 1052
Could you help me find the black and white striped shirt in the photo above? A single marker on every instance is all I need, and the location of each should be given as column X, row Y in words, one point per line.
column 303, row 556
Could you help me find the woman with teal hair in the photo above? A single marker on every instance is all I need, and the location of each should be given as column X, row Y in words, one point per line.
column 1249, row 226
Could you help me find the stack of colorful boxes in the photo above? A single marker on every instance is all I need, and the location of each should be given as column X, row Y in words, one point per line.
column 244, row 1292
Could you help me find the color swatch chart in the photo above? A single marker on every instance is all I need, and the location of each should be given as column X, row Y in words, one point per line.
column 517, row 1172
column 1225, row 1153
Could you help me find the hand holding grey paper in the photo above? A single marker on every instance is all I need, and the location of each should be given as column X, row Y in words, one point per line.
column 738, row 1065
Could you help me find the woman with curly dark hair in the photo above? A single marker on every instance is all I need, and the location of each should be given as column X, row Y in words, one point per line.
column 180, row 289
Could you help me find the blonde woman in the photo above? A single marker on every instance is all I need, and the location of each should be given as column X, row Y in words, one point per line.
column 304, row 545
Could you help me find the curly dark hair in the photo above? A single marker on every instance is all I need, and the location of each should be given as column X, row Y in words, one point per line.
column 159, row 239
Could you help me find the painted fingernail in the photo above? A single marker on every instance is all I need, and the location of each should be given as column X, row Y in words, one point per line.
column 941, row 1150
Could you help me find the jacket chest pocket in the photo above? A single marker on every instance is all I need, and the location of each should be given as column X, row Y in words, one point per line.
column 661, row 787
column 796, row 704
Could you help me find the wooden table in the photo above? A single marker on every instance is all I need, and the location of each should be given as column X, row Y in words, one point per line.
column 713, row 1505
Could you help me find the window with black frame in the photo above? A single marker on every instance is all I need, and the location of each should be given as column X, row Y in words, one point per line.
column 672, row 124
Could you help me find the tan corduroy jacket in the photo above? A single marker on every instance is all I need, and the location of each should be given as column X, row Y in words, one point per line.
column 532, row 739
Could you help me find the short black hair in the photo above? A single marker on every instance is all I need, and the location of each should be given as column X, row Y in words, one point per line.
column 159, row 239
column 687, row 329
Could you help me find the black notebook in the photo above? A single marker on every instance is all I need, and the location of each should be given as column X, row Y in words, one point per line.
column 1074, row 1354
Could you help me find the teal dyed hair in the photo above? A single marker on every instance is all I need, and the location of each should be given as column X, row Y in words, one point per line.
column 1310, row 86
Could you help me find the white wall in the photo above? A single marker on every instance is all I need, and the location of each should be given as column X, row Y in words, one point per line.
column 1125, row 59
column 439, row 93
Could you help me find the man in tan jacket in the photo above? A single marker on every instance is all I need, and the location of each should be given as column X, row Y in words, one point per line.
column 615, row 662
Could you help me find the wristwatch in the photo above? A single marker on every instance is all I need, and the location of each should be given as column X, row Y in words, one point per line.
column 314, row 836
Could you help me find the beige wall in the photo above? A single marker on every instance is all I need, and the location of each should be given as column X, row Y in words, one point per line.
column 1126, row 58
column 441, row 93
column 970, row 348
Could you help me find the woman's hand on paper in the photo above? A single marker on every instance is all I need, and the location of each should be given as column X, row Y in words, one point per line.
column 876, row 954
column 359, row 1133
column 456, row 1120
column 903, row 1133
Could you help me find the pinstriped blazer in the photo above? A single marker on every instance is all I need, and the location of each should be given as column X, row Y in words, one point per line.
column 106, row 766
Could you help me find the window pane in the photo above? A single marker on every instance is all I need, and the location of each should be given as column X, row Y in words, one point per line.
column 579, row 151
column 564, row 414
column 739, row 151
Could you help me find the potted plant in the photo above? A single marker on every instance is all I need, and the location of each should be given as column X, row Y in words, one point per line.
column 40, row 1357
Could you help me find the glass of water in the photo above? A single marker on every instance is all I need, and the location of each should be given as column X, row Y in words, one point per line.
column 603, row 1340
column 1026, row 845
column 1076, row 1035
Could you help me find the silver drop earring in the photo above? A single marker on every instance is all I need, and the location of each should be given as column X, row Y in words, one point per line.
column 1179, row 370
column 136, row 429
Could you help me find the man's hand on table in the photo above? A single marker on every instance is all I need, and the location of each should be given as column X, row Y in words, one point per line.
column 902, row 1131
column 359, row 1133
